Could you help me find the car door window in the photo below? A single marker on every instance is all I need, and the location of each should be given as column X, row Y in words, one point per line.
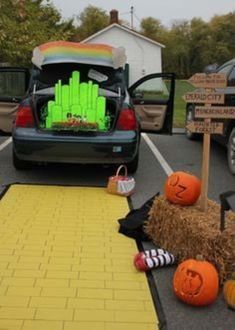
column 152, row 90
column 12, row 84
column 231, row 78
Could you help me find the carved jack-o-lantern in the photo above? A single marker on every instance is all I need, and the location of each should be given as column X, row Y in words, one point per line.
column 196, row 282
column 182, row 188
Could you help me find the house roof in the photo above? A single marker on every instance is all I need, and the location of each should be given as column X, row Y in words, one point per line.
column 126, row 29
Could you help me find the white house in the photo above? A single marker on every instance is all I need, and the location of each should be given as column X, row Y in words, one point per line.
column 143, row 54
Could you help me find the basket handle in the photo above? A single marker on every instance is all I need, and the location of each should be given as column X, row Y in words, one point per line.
column 119, row 169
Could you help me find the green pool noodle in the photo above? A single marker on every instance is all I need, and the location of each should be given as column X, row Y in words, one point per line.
column 65, row 101
column 83, row 98
column 57, row 113
column 58, row 93
column 75, row 87
column 100, row 112
column 50, row 106
column 95, row 94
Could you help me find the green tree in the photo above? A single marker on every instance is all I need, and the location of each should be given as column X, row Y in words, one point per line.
column 26, row 24
column 91, row 20
column 153, row 29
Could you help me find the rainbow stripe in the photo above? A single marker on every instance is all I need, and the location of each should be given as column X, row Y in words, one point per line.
column 71, row 52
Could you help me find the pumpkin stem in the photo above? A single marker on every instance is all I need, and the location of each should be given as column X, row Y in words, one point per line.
column 199, row 257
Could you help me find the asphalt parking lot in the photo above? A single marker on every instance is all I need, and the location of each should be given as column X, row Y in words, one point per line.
column 176, row 151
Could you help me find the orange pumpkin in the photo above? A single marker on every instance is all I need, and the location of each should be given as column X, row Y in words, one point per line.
column 182, row 188
column 229, row 292
column 196, row 282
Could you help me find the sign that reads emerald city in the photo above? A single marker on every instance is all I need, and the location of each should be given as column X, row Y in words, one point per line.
column 213, row 108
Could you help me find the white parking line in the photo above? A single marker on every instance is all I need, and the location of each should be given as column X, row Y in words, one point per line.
column 5, row 143
column 168, row 170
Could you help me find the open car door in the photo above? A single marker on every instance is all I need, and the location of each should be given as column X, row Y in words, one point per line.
column 153, row 99
column 13, row 87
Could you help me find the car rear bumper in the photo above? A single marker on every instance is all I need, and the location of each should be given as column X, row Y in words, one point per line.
column 117, row 147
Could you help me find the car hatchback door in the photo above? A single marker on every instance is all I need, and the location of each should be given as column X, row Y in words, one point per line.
column 153, row 99
column 13, row 86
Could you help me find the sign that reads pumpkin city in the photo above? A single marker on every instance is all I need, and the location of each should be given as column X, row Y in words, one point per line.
column 205, row 98
column 205, row 128
column 211, row 80
column 214, row 112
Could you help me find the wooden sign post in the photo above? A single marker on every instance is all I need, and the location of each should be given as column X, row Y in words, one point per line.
column 207, row 112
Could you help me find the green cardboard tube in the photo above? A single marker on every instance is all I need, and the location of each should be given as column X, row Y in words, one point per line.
column 59, row 91
column 83, row 98
column 100, row 114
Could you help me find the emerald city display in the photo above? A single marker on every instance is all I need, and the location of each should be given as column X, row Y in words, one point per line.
column 77, row 106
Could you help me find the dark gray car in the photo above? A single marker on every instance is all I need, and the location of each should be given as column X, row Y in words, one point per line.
column 147, row 106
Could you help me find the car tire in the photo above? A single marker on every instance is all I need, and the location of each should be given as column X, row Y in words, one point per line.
column 189, row 118
column 20, row 164
column 133, row 166
column 231, row 151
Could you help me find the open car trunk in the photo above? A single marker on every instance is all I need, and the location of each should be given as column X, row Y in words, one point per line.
column 77, row 97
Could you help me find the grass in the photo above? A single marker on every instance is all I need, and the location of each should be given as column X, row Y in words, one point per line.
column 181, row 87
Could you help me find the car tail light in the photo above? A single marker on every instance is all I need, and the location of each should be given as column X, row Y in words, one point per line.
column 24, row 117
column 127, row 120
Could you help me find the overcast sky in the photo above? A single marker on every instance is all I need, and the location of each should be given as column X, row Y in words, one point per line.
column 165, row 10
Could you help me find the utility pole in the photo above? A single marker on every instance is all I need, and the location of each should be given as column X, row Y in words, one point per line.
column 132, row 16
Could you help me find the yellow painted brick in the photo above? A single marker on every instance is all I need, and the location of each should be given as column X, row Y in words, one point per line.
column 25, row 259
column 88, row 268
column 149, row 306
column 94, row 315
column 95, row 293
column 62, row 254
column 11, row 324
column 87, row 284
column 95, row 261
column 3, row 290
column 20, row 265
column 11, row 281
column 6, row 272
column 55, row 266
column 63, row 260
column 30, row 273
column 135, row 316
column 10, row 301
column 58, row 292
column 121, row 269
column 17, row 313
column 23, row 291
column 124, row 305
column 5, row 258
column 54, row 314
column 48, row 302
column 130, row 326
column 131, row 295
column 95, row 276
column 3, row 264
column 29, row 253
column 42, row 325
column 61, row 274
column 6, row 251
column 84, row 326
column 82, row 303
column 135, row 276
column 53, row 283
column 122, row 285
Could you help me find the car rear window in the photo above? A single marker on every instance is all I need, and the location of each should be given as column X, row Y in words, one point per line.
column 49, row 75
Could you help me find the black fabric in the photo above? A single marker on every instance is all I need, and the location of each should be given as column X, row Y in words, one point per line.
column 132, row 224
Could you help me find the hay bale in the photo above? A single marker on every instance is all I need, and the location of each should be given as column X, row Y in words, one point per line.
column 187, row 232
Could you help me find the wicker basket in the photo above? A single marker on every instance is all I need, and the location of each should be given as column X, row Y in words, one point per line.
column 122, row 185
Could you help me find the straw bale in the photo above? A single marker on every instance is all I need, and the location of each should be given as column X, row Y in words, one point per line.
column 187, row 232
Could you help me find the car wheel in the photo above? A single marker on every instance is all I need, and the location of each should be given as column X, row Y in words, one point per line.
column 231, row 151
column 20, row 164
column 133, row 166
column 189, row 118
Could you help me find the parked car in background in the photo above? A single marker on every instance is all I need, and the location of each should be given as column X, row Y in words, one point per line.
column 147, row 106
column 228, row 138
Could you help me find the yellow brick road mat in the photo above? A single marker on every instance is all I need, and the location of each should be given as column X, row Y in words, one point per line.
column 63, row 264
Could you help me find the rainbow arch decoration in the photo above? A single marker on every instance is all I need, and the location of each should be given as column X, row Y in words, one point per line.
column 73, row 52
